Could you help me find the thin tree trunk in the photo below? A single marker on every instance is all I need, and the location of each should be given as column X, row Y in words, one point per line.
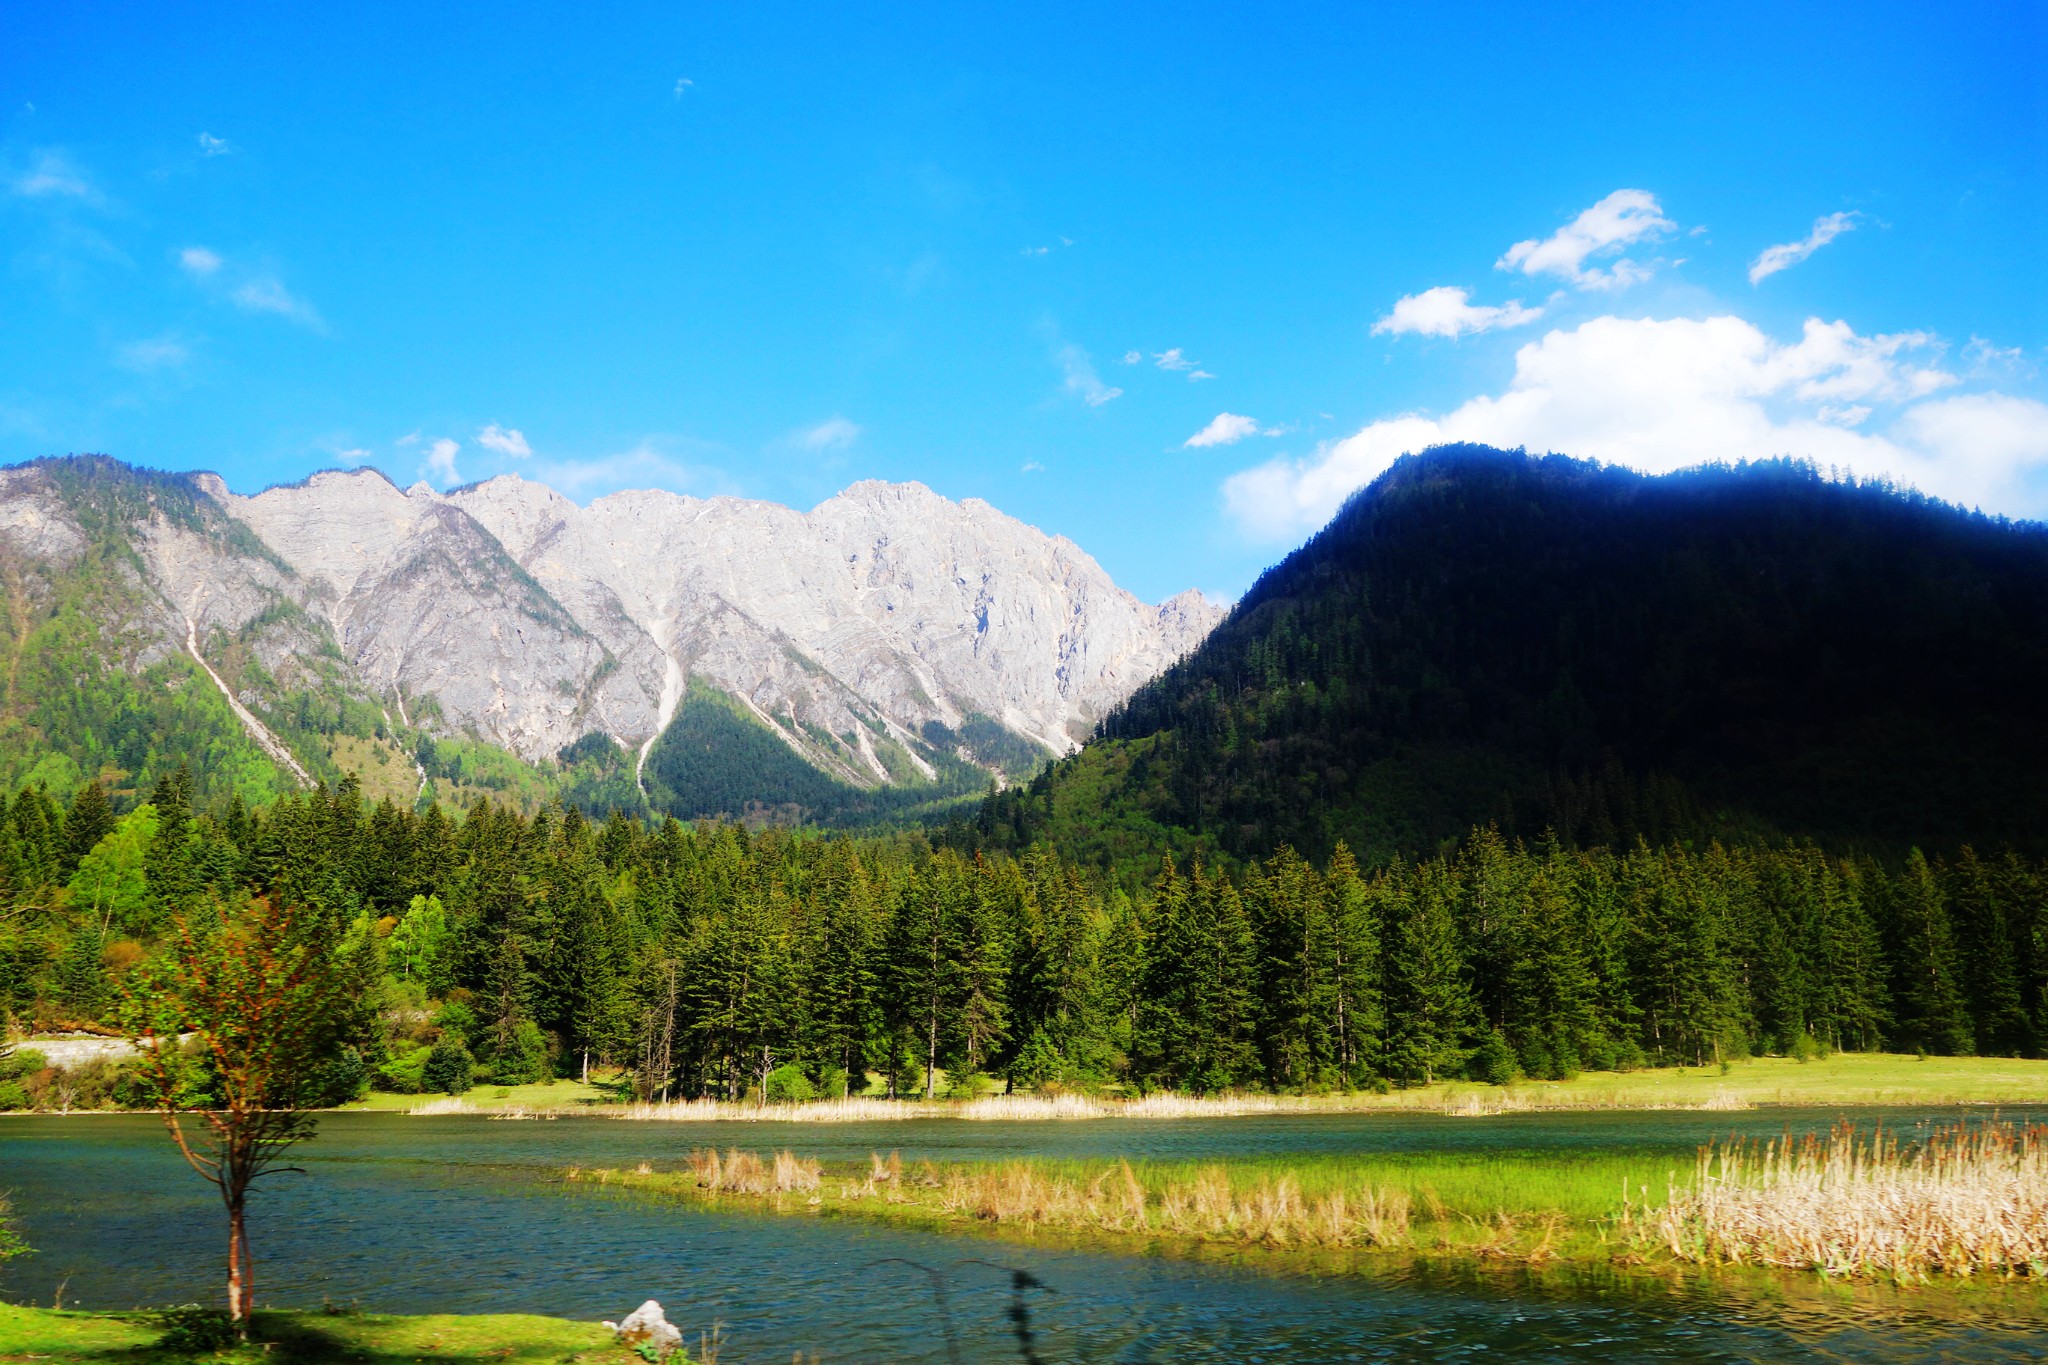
column 931, row 1055
column 240, row 1269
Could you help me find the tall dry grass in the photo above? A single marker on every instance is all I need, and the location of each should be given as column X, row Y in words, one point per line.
column 740, row 1172
column 1270, row 1212
column 1971, row 1199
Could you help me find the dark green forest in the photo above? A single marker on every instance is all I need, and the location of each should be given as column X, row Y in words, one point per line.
column 708, row 960
column 1543, row 643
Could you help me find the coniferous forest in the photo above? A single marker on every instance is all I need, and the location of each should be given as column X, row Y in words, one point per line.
column 710, row 960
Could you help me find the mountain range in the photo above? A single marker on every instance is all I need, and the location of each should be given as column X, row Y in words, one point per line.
column 501, row 636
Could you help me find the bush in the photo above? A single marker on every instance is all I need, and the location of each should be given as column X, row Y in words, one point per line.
column 1494, row 1062
column 12, row 1096
column 196, row 1331
column 524, row 1058
column 969, row 1085
column 449, row 1068
column 788, row 1083
column 832, row 1081
column 21, row 1062
column 403, row 1072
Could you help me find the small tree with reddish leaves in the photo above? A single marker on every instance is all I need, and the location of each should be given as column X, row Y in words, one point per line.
column 234, row 1026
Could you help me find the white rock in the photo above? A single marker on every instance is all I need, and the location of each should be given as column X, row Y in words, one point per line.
column 647, row 1324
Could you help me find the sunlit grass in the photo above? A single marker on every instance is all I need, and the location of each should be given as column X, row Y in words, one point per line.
column 368, row 1339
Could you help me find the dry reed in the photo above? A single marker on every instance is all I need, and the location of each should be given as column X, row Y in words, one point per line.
column 1972, row 1199
column 740, row 1172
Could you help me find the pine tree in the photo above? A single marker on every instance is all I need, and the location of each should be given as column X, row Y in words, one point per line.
column 1932, row 1014
column 1429, row 1005
column 90, row 819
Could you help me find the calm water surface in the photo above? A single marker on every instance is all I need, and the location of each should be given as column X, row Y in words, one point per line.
column 444, row 1215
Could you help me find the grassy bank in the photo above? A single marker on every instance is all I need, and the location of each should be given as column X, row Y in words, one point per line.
column 1845, row 1078
column 36, row 1334
column 1972, row 1200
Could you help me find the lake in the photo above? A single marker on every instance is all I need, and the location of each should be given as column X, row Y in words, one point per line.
column 454, row 1214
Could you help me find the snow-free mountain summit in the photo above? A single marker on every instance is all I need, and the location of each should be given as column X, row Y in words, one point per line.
column 883, row 636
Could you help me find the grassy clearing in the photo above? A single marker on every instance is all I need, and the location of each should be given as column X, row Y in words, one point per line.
column 35, row 1334
column 1972, row 1200
column 560, row 1097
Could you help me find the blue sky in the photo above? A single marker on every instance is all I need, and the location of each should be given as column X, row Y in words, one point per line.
column 769, row 252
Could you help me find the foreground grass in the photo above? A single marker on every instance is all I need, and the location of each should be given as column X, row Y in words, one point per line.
column 36, row 1334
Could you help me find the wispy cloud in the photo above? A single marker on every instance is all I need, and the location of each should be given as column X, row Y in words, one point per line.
column 1788, row 254
column 683, row 85
column 267, row 294
column 1225, row 429
column 151, row 354
column 1448, row 312
column 1133, row 357
column 834, row 433
column 198, row 261
column 209, row 145
column 1174, row 360
column 52, row 176
column 1032, row 467
column 440, row 463
column 645, row 465
column 1621, row 219
column 506, row 441
column 1081, row 379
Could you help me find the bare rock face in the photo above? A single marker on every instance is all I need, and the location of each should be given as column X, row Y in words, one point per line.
column 534, row 621
column 884, row 621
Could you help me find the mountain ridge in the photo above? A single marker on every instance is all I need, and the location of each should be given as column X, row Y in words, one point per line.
column 869, row 635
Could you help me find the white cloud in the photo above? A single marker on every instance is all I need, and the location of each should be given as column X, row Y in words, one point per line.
column 1623, row 217
column 682, row 85
column 1133, row 357
column 510, row 442
column 164, row 352
column 1446, row 312
column 267, row 294
column 643, row 466
column 1788, row 254
column 54, row 177
column 198, row 261
column 1197, row 376
column 1174, row 360
column 1081, row 379
column 209, row 145
column 440, row 464
column 834, row 433
column 1032, row 467
column 1037, row 250
column 1659, row 395
column 1226, row 428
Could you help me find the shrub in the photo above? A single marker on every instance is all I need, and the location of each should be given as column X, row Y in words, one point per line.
column 12, row 1096
column 788, row 1082
column 524, row 1057
column 403, row 1071
column 21, row 1062
column 832, row 1081
column 196, row 1331
column 969, row 1085
column 1494, row 1062
column 448, row 1068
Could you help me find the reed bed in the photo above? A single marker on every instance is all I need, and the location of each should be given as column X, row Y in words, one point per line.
column 1970, row 1200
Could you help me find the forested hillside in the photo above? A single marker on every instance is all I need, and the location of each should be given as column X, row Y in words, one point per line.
column 1545, row 643
column 708, row 960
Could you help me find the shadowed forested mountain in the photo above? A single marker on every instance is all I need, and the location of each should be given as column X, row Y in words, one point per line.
column 1544, row 642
